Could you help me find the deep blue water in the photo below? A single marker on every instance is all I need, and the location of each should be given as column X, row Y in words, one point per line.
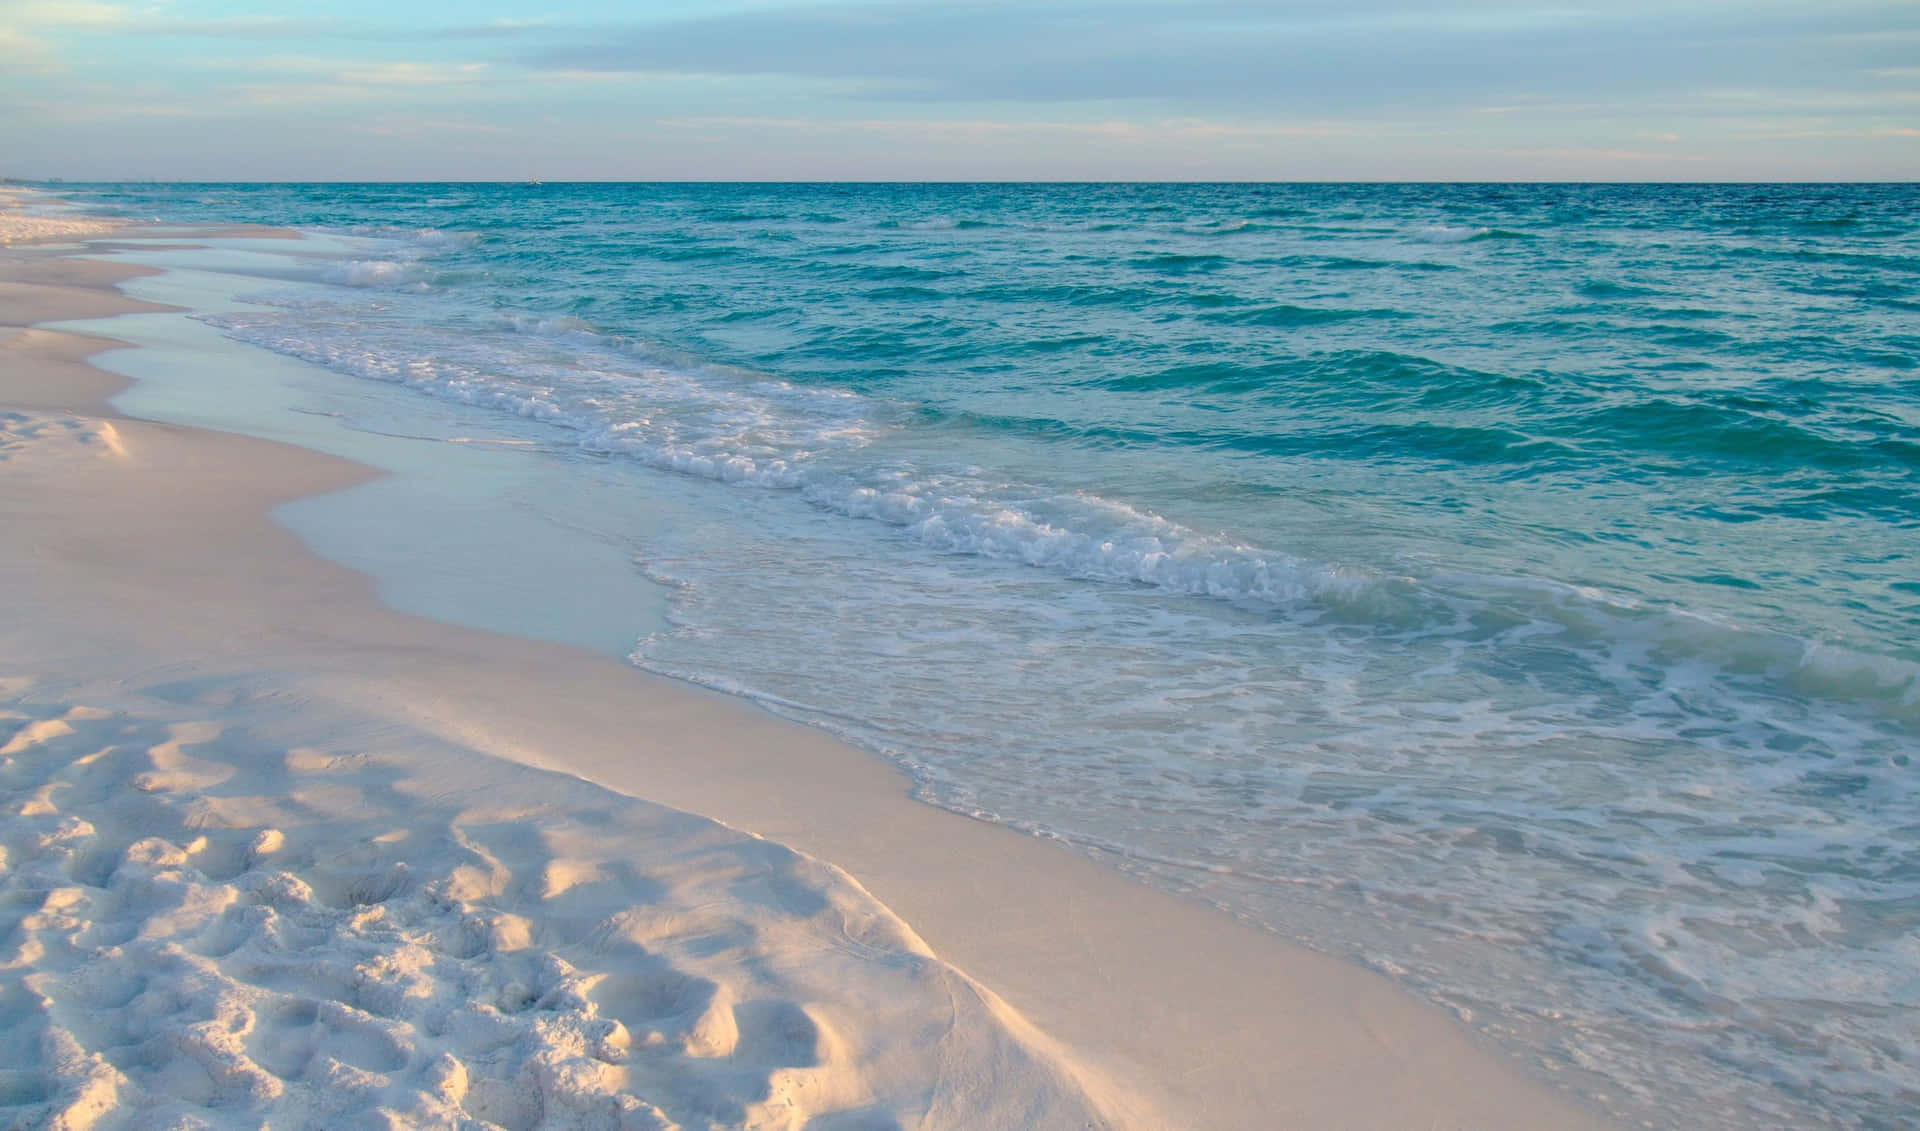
column 1512, row 587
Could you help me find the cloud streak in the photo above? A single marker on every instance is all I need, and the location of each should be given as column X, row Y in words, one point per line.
column 1365, row 53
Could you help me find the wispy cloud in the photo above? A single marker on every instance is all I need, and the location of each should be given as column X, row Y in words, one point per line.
column 150, row 21
column 934, row 128
column 22, row 52
column 402, row 125
column 280, row 28
column 61, row 13
column 26, row 24
column 1313, row 53
column 1592, row 156
column 324, row 81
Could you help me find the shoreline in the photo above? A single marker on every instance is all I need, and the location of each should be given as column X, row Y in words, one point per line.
column 1219, row 1024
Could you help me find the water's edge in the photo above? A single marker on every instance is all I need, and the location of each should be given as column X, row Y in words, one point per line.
column 1636, row 786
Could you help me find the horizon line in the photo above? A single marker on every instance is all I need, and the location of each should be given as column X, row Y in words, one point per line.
column 537, row 183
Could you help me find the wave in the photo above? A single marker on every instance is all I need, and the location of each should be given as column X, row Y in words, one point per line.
column 554, row 326
column 892, row 273
column 414, row 242
column 775, row 435
column 1636, row 631
column 936, row 224
column 1727, row 432
column 767, row 434
column 408, row 264
column 1448, row 233
column 1375, row 377
column 741, row 216
column 1069, row 294
column 377, row 273
column 1179, row 263
column 1283, row 315
column 1904, row 264
column 904, row 294
column 1609, row 289
column 1124, row 544
column 685, row 254
column 1231, row 228
column 1356, row 263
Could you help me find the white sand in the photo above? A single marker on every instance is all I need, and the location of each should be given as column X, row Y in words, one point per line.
column 205, row 923
column 19, row 225
column 223, row 903
column 275, row 853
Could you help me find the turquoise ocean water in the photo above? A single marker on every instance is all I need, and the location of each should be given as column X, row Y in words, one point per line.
column 1514, row 588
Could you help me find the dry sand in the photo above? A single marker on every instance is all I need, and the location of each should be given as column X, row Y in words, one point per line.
column 283, row 763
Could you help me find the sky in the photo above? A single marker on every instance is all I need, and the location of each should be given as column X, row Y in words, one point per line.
column 967, row 90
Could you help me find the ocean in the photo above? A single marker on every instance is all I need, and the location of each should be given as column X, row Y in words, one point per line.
column 1513, row 588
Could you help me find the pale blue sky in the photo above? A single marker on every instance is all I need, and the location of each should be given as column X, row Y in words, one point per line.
column 1000, row 89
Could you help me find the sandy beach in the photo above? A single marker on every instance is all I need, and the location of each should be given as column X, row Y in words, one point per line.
column 275, row 852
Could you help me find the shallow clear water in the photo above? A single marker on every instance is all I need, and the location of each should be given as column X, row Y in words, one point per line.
column 1513, row 587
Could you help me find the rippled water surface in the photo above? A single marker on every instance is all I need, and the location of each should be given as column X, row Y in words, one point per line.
column 1513, row 587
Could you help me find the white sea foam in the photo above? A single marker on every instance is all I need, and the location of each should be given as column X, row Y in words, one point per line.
column 376, row 273
column 1449, row 233
column 404, row 262
column 1299, row 775
column 417, row 240
column 752, row 431
column 772, row 434
column 559, row 326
